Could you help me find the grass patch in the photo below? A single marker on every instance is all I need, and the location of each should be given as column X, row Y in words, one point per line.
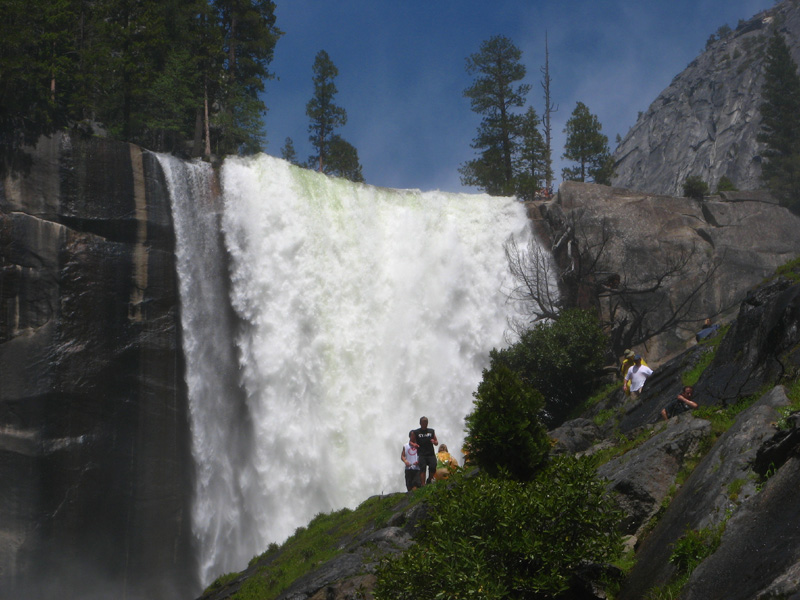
column 791, row 270
column 735, row 488
column 221, row 581
column 711, row 345
column 604, row 416
column 793, row 393
column 602, row 393
column 722, row 417
column 692, row 548
column 623, row 446
column 326, row 536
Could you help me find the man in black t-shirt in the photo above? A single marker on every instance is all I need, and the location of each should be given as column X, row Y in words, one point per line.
column 426, row 438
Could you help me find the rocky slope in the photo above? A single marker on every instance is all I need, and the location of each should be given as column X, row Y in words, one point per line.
column 94, row 438
column 94, row 442
column 732, row 481
column 728, row 244
column 706, row 121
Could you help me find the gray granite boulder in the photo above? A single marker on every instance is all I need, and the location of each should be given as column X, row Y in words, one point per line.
column 705, row 500
column 641, row 479
column 730, row 247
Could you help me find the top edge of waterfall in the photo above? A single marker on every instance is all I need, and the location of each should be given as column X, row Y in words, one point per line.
column 263, row 156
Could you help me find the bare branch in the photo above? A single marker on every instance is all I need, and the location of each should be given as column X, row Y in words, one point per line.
column 635, row 301
column 536, row 285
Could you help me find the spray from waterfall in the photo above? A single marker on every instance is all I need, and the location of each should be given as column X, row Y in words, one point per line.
column 358, row 310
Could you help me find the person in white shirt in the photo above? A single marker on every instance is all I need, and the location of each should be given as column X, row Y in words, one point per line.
column 411, row 461
column 637, row 375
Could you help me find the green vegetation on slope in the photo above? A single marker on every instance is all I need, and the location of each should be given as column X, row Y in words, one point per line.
column 494, row 538
column 326, row 536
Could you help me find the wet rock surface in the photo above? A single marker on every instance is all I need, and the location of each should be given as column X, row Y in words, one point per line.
column 94, row 446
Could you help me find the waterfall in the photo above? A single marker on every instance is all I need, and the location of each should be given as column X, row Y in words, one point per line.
column 357, row 311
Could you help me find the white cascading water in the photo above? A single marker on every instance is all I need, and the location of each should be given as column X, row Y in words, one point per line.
column 361, row 309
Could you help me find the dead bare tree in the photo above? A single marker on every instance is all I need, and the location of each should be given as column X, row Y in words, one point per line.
column 536, row 292
column 549, row 109
column 635, row 302
column 643, row 306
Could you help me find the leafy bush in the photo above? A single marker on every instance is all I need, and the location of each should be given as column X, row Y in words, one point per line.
column 562, row 359
column 694, row 187
column 725, row 184
column 504, row 434
column 694, row 546
column 497, row 538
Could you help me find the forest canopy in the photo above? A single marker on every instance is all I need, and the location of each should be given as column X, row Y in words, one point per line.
column 172, row 75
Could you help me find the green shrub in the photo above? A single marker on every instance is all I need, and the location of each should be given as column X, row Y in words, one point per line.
column 504, row 434
column 790, row 270
column 694, row 546
column 494, row 538
column 694, row 187
column 725, row 184
column 562, row 359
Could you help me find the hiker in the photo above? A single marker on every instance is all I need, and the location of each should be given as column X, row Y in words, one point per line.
column 411, row 461
column 709, row 330
column 628, row 360
column 636, row 376
column 445, row 463
column 426, row 438
column 684, row 401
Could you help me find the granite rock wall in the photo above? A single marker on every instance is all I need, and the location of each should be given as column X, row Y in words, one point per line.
column 94, row 439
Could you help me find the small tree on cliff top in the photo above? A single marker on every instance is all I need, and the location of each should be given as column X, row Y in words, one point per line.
column 324, row 114
column 495, row 94
column 587, row 146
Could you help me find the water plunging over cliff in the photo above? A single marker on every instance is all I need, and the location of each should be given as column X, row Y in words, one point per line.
column 359, row 310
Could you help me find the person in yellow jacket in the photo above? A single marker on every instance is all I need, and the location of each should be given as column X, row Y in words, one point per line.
column 628, row 360
column 445, row 463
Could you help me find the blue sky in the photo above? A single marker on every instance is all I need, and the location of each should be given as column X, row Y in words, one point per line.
column 402, row 76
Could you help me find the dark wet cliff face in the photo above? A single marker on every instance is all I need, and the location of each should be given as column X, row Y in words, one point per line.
column 94, row 440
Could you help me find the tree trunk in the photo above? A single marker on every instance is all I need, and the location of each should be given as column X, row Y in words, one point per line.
column 548, row 109
column 208, row 128
column 197, row 144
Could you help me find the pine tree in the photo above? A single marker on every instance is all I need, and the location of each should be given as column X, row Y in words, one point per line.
column 587, row 146
column 343, row 160
column 288, row 152
column 36, row 57
column 494, row 95
column 531, row 159
column 324, row 114
column 780, row 124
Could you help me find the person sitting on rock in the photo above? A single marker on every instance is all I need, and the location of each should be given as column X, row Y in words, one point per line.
column 709, row 330
column 684, row 401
